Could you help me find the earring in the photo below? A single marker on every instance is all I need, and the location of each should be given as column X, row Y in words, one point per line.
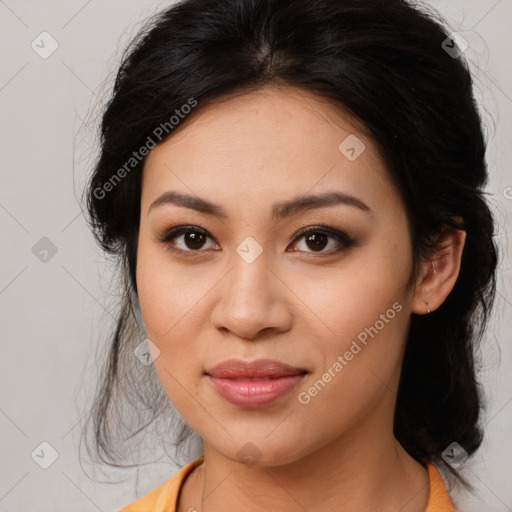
column 428, row 309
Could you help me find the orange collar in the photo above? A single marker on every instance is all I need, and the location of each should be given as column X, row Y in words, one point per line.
column 439, row 499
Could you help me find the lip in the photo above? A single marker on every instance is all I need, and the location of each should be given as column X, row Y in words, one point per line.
column 254, row 383
column 259, row 368
column 254, row 393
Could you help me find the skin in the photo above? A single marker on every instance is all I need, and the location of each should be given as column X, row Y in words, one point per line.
column 300, row 305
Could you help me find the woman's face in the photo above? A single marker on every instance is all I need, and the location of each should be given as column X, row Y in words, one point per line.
column 242, row 283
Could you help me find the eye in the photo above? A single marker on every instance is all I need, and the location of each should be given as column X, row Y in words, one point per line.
column 190, row 239
column 317, row 238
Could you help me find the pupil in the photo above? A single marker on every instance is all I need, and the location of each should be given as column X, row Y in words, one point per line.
column 316, row 240
column 193, row 240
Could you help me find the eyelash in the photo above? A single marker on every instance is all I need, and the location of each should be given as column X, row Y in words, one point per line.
column 339, row 236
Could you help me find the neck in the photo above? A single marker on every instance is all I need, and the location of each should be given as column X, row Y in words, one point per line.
column 365, row 469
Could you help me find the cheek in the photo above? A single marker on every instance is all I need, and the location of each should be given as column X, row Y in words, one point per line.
column 167, row 310
column 354, row 296
column 171, row 298
column 365, row 313
column 167, row 299
column 167, row 293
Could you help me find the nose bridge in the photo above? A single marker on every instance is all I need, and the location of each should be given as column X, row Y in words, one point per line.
column 249, row 260
column 250, row 271
column 249, row 279
column 250, row 298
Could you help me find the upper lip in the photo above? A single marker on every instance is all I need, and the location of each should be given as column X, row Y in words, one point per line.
column 237, row 368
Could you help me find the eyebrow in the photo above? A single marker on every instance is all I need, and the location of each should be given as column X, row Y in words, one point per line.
column 280, row 210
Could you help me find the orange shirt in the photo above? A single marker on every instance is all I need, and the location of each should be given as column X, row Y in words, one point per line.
column 165, row 497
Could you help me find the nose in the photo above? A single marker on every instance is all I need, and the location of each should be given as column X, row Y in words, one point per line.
column 252, row 298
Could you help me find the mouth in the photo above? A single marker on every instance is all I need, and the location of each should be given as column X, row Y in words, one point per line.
column 256, row 369
column 254, row 384
column 257, row 378
column 255, row 392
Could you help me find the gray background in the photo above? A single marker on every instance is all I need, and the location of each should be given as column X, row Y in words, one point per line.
column 52, row 312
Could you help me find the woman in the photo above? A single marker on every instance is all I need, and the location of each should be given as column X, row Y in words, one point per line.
column 294, row 193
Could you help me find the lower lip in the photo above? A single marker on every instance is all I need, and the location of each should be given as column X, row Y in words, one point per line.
column 254, row 393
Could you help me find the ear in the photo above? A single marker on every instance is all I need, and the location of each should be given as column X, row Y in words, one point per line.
column 440, row 272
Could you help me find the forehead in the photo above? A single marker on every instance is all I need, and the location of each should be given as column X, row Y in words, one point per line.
column 272, row 143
